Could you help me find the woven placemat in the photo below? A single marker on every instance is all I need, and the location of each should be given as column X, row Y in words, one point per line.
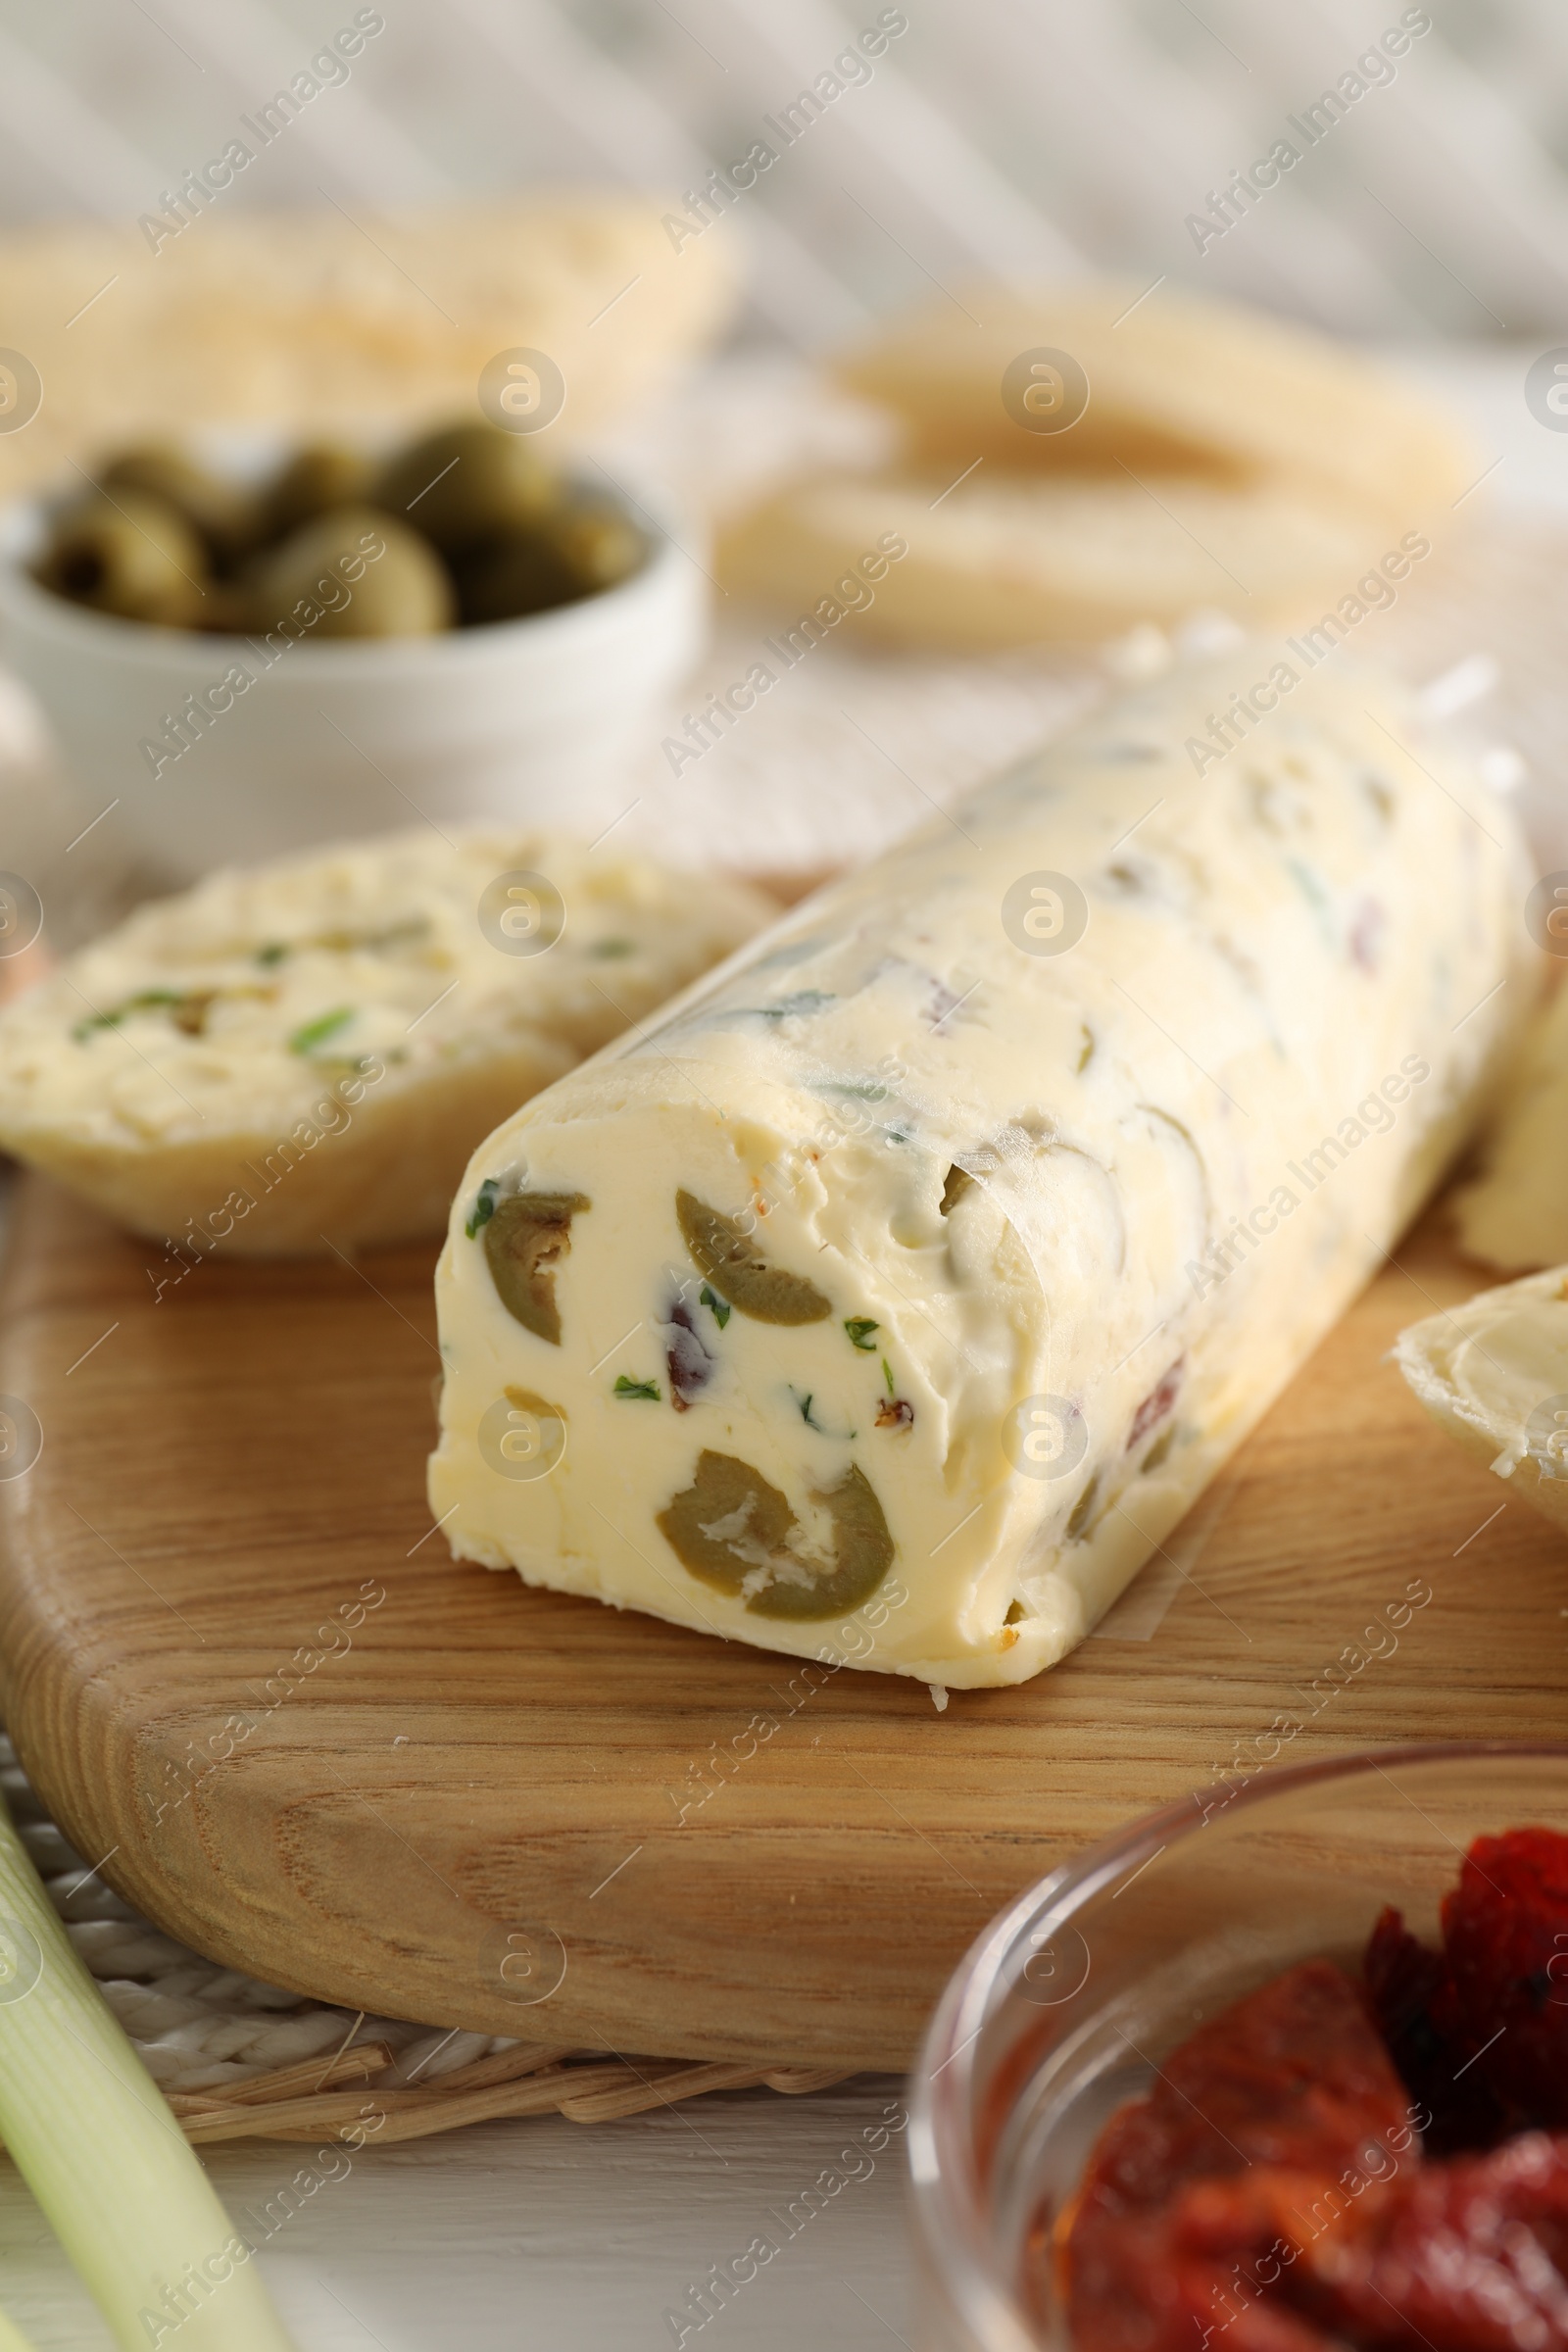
column 237, row 2059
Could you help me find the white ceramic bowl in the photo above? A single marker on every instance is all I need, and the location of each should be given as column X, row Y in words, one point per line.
column 519, row 721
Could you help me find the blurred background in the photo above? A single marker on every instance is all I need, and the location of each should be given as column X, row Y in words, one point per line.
column 390, row 236
column 1033, row 137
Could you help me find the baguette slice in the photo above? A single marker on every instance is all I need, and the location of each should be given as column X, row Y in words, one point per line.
column 1176, row 383
column 305, row 318
column 306, row 1053
column 1010, row 559
column 1493, row 1373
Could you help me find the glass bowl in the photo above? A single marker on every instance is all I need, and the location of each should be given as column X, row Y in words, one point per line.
column 1063, row 2008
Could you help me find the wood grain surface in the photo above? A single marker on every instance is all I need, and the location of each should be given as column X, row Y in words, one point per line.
column 484, row 1794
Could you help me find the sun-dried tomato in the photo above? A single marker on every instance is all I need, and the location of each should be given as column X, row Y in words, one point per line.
column 1273, row 2194
column 1505, row 1940
column 1469, row 2254
column 1480, row 2029
column 1403, row 1977
column 1291, row 2082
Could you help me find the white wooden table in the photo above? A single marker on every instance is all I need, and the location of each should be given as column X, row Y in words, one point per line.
column 551, row 2237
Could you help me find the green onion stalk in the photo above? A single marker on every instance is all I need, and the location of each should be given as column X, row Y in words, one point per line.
column 94, row 2139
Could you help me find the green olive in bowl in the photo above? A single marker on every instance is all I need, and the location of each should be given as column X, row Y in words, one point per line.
column 598, row 544
column 463, row 527
column 128, row 554
column 354, row 572
column 511, row 577
column 470, row 484
column 321, row 476
column 219, row 511
column 576, row 551
column 226, row 610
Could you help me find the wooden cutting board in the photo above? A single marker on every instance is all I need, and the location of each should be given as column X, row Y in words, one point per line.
column 482, row 1787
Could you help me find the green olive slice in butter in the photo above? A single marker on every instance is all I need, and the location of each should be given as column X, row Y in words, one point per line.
column 732, row 1529
column 526, row 1236
column 737, row 1268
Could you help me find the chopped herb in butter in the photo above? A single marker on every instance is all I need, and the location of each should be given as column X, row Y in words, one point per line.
column 176, row 1001
column 344, row 942
column 484, row 1208
column 793, row 1007
column 312, row 1034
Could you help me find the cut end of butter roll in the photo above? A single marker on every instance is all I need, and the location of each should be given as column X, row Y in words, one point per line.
column 891, row 1299
column 303, row 1056
column 1493, row 1373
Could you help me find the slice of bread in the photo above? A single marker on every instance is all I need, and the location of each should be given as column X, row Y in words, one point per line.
column 1176, row 383
column 305, row 1054
column 1006, row 559
column 308, row 320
